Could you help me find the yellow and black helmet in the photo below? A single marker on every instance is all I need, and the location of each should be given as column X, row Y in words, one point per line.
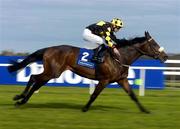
column 117, row 22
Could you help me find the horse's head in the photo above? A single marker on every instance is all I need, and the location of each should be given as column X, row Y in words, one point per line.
column 151, row 48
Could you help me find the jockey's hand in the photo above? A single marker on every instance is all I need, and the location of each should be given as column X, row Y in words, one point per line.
column 115, row 50
column 116, row 53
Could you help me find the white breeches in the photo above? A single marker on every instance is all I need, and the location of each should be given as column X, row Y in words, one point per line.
column 92, row 38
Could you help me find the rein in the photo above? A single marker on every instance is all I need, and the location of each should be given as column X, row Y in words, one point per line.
column 124, row 65
column 156, row 54
column 118, row 61
column 139, row 50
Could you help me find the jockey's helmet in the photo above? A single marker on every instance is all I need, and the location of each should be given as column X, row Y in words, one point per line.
column 117, row 23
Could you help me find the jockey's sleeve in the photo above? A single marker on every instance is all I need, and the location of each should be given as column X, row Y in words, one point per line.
column 113, row 37
column 108, row 39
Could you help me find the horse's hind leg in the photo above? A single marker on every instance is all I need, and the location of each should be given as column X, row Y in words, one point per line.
column 101, row 85
column 51, row 70
column 29, row 84
column 40, row 80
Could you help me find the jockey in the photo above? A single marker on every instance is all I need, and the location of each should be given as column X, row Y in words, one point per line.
column 102, row 34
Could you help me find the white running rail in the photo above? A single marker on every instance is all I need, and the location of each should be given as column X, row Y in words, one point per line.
column 176, row 71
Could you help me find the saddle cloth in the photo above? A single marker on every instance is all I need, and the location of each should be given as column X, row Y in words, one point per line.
column 84, row 58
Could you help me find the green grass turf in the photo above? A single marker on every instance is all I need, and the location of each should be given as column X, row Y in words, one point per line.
column 60, row 108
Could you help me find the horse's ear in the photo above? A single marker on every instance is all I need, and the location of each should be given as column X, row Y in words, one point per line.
column 147, row 35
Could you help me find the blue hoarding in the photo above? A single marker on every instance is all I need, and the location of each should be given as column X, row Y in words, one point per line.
column 153, row 78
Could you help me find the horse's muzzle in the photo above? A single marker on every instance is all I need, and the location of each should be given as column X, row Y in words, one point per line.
column 163, row 58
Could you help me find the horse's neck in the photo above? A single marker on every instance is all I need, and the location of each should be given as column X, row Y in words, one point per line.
column 130, row 55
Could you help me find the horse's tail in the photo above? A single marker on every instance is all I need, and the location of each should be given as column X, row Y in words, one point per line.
column 36, row 56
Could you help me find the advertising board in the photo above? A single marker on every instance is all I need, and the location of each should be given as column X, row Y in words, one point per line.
column 153, row 79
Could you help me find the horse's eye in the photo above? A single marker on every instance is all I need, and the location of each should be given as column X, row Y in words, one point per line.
column 154, row 44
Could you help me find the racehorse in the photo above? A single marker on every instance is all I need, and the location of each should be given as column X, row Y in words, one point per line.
column 57, row 59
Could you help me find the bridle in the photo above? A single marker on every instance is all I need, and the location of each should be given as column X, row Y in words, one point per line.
column 161, row 49
column 137, row 49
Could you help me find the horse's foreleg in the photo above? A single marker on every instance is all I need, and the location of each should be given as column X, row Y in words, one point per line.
column 29, row 84
column 101, row 85
column 124, row 83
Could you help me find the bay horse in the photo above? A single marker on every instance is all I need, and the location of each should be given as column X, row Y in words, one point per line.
column 57, row 59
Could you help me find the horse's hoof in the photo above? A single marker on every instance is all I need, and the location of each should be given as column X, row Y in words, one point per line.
column 17, row 104
column 17, row 97
column 146, row 111
column 84, row 109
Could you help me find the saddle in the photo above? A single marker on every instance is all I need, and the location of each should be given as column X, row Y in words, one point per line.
column 99, row 52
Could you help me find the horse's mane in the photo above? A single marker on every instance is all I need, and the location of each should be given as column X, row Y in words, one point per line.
column 129, row 42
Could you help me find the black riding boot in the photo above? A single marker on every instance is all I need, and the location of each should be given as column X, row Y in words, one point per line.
column 98, row 54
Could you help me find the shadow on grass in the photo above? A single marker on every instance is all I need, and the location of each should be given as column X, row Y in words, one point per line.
column 61, row 105
column 69, row 106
